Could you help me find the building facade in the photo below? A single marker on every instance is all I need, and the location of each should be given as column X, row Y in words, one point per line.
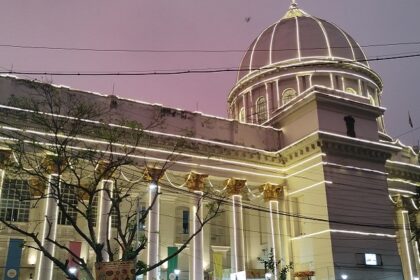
column 304, row 161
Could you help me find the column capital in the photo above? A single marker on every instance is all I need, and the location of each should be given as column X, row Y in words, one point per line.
column 235, row 186
column 271, row 191
column 195, row 181
column 5, row 157
column 153, row 174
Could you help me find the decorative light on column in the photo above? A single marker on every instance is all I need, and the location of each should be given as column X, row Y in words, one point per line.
column 234, row 188
column 409, row 267
column 104, row 219
column 152, row 176
column 45, row 266
column 272, row 193
column 195, row 184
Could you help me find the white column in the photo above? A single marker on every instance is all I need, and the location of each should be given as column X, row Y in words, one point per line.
column 2, row 174
column 408, row 256
column 44, row 269
column 238, row 234
column 197, row 215
column 275, row 234
column 153, row 231
column 104, row 216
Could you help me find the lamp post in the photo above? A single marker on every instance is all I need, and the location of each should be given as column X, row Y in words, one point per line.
column 177, row 272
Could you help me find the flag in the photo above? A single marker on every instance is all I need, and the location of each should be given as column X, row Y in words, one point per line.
column 14, row 254
column 410, row 122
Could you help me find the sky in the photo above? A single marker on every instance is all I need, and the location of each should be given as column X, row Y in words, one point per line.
column 198, row 25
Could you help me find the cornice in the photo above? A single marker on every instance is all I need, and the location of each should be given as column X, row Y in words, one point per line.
column 355, row 148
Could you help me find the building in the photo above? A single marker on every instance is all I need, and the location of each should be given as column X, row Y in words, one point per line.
column 305, row 160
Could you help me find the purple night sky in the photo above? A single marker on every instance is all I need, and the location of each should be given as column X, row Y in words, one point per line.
column 202, row 25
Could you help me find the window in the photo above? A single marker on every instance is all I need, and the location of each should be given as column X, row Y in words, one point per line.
column 261, row 109
column 369, row 259
column 69, row 201
column 95, row 213
column 288, row 95
column 350, row 121
column 185, row 221
column 242, row 115
column 351, row 90
column 15, row 202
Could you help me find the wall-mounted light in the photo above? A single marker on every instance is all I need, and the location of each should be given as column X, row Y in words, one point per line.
column 344, row 276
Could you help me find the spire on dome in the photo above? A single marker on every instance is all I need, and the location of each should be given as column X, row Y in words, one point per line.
column 294, row 11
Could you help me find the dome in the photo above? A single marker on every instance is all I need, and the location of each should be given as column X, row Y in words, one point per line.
column 300, row 37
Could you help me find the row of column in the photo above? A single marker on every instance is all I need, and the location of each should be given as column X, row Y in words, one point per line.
column 195, row 184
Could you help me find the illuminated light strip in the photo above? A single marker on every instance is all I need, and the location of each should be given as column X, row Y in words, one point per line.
column 190, row 164
column 162, row 133
column 172, row 184
column 402, row 191
column 153, row 191
column 234, row 233
column 295, row 62
column 312, row 92
column 398, row 142
column 356, row 168
column 273, row 239
column 348, row 40
column 414, row 204
column 271, row 42
column 2, row 174
column 267, row 103
column 315, row 59
column 363, row 141
column 404, row 164
column 417, row 251
column 393, row 202
column 332, row 81
column 298, row 89
column 144, row 149
column 403, row 181
column 128, row 180
column 252, row 52
column 44, row 230
column 244, row 106
column 310, row 187
column 325, row 36
column 346, row 232
column 298, row 39
column 194, row 242
column 403, row 213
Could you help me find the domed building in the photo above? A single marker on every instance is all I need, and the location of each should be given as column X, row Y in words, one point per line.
column 311, row 185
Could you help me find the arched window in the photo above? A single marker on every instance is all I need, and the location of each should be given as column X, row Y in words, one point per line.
column 351, row 90
column 242, row 115
column 261, row 105
column 371, row 99
column 288, row 95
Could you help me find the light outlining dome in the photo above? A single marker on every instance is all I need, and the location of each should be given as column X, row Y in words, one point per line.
column 300, row 37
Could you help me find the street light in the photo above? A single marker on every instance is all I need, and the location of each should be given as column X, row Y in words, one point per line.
column 268, row 276
column 177, row 272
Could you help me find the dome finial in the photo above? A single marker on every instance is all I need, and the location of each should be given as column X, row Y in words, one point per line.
column 294, row 11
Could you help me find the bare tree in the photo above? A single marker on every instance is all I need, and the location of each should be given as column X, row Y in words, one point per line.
column 67, row 145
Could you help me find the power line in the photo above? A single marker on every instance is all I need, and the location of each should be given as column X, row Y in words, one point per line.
column 86, row 49
column 197, row 71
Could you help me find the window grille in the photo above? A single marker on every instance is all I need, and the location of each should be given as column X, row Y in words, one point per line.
column 15, row 202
